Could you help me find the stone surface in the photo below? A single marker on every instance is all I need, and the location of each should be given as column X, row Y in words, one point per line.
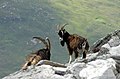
column 104, row 64
column 118, row 76
column 75, row 69
column 98, row 69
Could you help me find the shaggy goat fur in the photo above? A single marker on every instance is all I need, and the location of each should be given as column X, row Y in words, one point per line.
column 41, row 54
column 74, row 43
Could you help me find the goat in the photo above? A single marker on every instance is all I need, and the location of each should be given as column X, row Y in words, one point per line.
column 74, row 42
column 41, row 54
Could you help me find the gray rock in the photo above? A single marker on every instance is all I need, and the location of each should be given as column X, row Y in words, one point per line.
column 108, row 74
column 117, row 33
column 118, row 76
column 118, row 67
column 100, row 42
column 98, row 69
column 75, row 69
column 70, row 76
column 104, row 64
column 114, row 41
column 43, row 72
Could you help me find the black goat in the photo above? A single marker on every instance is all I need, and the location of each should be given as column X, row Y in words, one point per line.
column 41, row 54
column 74, row 42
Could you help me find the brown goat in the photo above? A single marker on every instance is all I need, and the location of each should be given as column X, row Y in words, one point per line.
column 41, row 54
column 74, row 42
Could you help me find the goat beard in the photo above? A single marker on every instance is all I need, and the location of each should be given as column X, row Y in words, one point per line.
column 62, row 43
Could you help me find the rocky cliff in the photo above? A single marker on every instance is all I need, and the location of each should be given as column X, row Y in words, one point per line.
column 102, row 64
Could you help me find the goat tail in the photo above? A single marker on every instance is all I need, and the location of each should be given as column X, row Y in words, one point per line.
column 42, row 40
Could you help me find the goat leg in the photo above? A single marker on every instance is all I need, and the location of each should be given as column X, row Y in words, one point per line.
column 70, row 55
column 70, row 59
column 84, row 54
column 76, row 54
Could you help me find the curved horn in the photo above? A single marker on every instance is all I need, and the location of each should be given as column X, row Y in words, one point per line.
column 42, row 40
column 64, row 26
column 49, row 44
column 58, row 28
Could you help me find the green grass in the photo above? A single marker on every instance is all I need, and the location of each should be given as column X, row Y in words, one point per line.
column 90, row 18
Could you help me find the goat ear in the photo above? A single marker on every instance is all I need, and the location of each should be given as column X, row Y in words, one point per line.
column 64, row 30
column 62, row 43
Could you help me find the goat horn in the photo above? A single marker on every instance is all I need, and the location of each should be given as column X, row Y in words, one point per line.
column 49, row 44
column 64, row 26
column 42, row 40
column 58, row 27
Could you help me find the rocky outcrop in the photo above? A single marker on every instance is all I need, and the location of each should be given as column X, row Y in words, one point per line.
column 104, row 64
column 112, row 39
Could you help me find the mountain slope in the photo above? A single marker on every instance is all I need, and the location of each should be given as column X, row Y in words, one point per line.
column 20, row 20
column 92, row 19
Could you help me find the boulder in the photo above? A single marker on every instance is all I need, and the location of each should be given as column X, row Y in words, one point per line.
column 75, row 69
column 99, row 69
